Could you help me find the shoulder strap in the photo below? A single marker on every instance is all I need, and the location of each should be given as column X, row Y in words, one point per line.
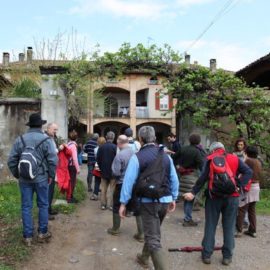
column 41, row 142
column 23, row 141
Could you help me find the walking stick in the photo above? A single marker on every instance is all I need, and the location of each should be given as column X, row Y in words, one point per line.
column 190, row 249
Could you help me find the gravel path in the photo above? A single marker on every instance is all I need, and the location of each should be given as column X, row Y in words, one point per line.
column 80, row 242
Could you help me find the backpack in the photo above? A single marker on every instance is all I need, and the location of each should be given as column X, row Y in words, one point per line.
column 222, row 183
column 151, row 182
column 133, row 146
column 28, row 163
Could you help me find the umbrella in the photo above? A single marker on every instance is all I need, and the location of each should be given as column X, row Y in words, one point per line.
column 190, row 249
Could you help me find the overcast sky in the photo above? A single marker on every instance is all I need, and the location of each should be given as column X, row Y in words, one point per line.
column 237, row 37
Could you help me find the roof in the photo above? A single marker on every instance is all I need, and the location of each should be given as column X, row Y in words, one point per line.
column 252, row 65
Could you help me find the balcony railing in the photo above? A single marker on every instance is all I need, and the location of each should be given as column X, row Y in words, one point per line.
column 142, row 112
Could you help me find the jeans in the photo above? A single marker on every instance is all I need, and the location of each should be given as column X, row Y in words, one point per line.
column 97, row 185
column 90, row 175
column 27, row 191
column 188, row 207
column 153, row 215
column 228, row 208
column 51, row 192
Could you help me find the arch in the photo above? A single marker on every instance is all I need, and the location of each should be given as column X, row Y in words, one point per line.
column 116, row 126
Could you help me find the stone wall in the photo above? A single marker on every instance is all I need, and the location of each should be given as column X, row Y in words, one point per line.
column 14, row 113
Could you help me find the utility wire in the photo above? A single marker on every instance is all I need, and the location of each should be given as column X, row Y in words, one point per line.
column 229, row 5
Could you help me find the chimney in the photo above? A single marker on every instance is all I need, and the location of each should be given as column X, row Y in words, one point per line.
column 29, row 55
column 213, row 65
column 187, row 59
column 21, row 57
column 5, row 59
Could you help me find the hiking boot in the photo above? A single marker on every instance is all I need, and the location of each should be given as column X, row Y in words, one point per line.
column 44, row 237
column 190, row 223
column 28, row 241
column 251, row 234
column 53, row 212
column 206, row 260
column 103, row 207
column 226, row 261
column 238, row 234
column 94, row 197
column 116, row 225
column 143, row 258
column 159, row 260
column 139, row 236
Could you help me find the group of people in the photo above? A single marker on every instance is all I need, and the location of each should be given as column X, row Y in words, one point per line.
column 143, row 179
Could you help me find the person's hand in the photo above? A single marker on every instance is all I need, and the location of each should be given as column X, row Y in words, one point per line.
column 122, row 211
column 171, row 207
column 189, row 196
column 61, row 147
column 49, row 180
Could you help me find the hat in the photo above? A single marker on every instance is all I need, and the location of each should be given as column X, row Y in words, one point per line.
column 216, row 145
column 35, row 120
column 129, row 132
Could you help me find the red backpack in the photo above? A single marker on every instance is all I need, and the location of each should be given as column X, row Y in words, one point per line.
column 222, row 182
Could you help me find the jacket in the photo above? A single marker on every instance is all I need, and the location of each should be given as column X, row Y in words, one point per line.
column 89, row 149
column 45, row 153
column 62, row 171
column 105, row 157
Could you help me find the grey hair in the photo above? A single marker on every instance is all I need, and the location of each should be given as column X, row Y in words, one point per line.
column 216, row 145
column 49, row 125
column 110, row 136
column 95, row 136
column 147, row 134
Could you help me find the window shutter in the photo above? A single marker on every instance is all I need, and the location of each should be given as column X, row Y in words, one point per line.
column 157, row 101
column 170, row 102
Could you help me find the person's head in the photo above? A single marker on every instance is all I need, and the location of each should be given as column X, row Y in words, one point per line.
column 215, row 146
column 171, row 137
column 240, row 145
column 73, row 135
column 252, row 151
column 110, row 136
column 122, row 141
column 95, row 136
column 101, row 141
column 147, row 134
column 35, row 121
column 52, row 129
column 129, row 132
column 194, row 139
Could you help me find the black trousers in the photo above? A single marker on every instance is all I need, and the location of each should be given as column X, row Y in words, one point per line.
column 50, row 195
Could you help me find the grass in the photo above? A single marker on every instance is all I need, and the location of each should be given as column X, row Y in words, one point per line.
column 263, row 206
column 12, row 249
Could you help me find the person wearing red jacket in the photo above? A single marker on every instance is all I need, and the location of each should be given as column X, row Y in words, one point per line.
column 62, row 172
column 216, row 205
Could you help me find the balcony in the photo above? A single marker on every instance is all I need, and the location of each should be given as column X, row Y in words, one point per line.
column 142, row 112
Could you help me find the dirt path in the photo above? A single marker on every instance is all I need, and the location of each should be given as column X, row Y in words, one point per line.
column 80, row 242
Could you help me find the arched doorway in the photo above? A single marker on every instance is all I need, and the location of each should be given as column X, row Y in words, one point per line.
column 117, row 127
column 162, row 130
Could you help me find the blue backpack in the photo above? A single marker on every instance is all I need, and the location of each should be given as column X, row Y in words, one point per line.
column 29, row 163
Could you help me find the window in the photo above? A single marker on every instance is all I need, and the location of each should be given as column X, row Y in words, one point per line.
column 164, row 103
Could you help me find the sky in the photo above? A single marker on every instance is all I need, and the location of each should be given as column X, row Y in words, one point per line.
column 237, row 36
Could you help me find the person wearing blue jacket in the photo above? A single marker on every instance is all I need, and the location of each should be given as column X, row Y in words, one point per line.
column 152, row 211
column 46, row 154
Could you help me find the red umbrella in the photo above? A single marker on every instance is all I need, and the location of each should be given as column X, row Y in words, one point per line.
column 190, row 249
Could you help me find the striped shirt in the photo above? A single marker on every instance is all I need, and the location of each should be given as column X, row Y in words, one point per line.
column 89, row 149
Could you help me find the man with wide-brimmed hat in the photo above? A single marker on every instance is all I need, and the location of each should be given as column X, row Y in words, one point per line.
column 46, row 160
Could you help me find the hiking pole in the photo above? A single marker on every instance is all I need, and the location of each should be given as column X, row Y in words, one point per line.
column 190, row 249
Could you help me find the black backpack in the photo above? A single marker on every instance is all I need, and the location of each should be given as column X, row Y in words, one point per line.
column 152, row 182
column 28, row 163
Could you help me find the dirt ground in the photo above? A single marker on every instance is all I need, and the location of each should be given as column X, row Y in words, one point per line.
column 80, row 242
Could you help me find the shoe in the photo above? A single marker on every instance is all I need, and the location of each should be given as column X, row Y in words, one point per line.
column 159, row 259
column 143, row 258
column 94, row 197
column 245, row 225
column 72, row 200
column 238, row 234
column 51, row 217
column 206, row 260
column 139, row 237
column 251, row 234
column 110, row 208
column 226, row 261
column 44, row 237
column 190, row 223
column 103, row 207
column 116, row 225
column 28, row 241
column 53, row 212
